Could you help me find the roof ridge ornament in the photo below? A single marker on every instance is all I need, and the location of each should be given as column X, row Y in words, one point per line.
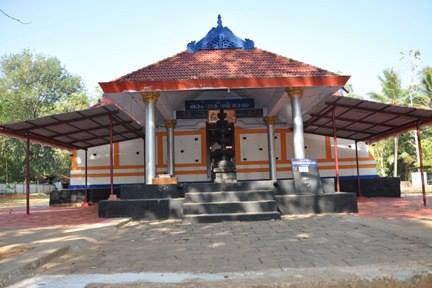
column 219, row 22
column 220, row 37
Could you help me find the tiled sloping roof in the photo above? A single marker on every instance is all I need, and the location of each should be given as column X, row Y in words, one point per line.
column 224, row 64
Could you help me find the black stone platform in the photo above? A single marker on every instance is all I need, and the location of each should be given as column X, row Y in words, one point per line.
column 286, row 186
column 373, row 187
column 150, row 191
column 150, row 209
column 215, row 202
column 290, row 202
column 143, row 201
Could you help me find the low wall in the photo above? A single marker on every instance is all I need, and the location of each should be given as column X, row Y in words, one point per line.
column 66, row 196
column 373, row 187
column 21, row 188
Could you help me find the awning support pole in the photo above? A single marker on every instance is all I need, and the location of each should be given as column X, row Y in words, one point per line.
column 112, row 196
column 86, row 177
column 421, row 166
column 358, row 170
column 335, row 148
column 27, row 175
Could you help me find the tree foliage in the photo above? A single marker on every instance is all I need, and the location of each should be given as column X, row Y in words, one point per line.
column 32, row 86
column 393, row 92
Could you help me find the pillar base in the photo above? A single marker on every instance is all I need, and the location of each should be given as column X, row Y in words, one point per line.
column 112, row 197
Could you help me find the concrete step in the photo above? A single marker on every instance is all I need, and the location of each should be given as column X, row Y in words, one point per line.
column 228, row 196
column 212, row 218
column 218, row 187
column 230, row 207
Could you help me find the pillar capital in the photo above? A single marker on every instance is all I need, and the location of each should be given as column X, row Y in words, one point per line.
column 152, row 96
column 170, row 123
column 270, row 120
column 294, row 91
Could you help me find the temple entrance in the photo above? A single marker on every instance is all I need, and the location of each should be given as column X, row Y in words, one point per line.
column 221, row 145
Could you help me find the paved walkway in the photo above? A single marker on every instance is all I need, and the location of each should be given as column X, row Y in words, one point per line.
column 405, row 207
column 386, row 232
column 315, row 241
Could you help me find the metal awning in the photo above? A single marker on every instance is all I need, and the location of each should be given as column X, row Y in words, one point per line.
column 78, row 129
column 363, row 120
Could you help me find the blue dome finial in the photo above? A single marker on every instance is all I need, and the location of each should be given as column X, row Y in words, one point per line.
column 219, row 22
column 220, row 38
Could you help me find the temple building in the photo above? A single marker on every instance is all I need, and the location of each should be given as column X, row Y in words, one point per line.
column 219, row 71
column 223, row 131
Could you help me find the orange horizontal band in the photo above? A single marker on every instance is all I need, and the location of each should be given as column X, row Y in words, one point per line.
column 180, row 165
column 196, row 172
column 173, row 85
column 332, row 167
column 258, row 162
column 99, row 175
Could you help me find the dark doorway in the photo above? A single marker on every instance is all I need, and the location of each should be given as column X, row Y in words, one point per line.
column 214, row 146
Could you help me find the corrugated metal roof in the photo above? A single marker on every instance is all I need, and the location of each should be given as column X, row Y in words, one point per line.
column 363, row 120
column 79, row 129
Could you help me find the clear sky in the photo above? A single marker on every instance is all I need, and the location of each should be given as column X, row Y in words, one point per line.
column 102, row 40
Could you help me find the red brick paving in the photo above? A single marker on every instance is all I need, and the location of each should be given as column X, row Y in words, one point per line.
column 405, row 207
column 48, row 216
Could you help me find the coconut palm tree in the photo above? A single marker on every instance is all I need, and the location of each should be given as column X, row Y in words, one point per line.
column 425, row 96
column 391, row 93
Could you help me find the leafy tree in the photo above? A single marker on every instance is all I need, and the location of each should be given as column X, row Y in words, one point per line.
column 424, row 98
column 392, row 93
column 32, row 86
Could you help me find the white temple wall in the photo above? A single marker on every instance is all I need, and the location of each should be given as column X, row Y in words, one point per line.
column 191, row 157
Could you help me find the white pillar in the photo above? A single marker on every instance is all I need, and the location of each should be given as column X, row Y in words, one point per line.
column 170, row 125
column 297, row 122
column 150, row 99
column 270, row 122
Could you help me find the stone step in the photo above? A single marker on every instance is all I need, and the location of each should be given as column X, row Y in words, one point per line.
column 230, row 207
column 212, row 218
column 218, row 187
column 228, row 196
